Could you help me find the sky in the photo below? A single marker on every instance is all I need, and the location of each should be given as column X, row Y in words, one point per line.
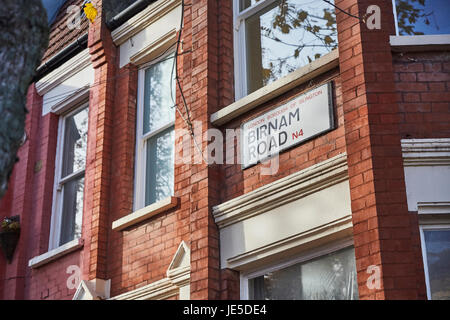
column 52, row 7
column 439, row 12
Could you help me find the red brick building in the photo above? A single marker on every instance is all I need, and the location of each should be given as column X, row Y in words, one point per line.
column 331, row 131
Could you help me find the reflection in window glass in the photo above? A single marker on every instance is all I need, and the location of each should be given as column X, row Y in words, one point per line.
column 75, row 142
column 285, row 36
column 158, row 104
column 437, row 243
column 160, row 168
column 72, row 210
column 71, row 179
column 330, row 277
column 244, row 4
column 418, row 17
column 158, row 136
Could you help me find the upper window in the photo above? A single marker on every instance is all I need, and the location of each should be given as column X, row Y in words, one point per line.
column 329, row 277
column 155, row 133
column 419, row 17
column 69, row 182
column 436, row 257
column 276, row 37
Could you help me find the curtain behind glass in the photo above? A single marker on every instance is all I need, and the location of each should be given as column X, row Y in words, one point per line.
column 72, row 210
column 73, row 160
column 75, row 142
column 158, row 113
column 160, row 167
column 330, row 277
column 158, row 104
column 437, row 244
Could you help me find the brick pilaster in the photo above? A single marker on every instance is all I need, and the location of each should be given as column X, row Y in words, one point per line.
column 15, row 272
column 43, row 183
column 229, row 286
column 98, row 164
column 122, row 164
column 383, row 232
column 200, row 81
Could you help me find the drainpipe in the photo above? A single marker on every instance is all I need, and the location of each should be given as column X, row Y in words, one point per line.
column 126, row 14
column 62, row 56
column 81, row 43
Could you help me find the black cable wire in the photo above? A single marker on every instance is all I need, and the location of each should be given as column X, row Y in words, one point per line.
column 347, row 13
column 62, row 96
column 176, row 67
column 186, row 119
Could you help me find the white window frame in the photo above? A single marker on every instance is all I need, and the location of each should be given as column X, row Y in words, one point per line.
column 394, row 9
column 304, row 257
column 429, row 227
column 240, row 61
column 58, row 196
column 141, row 139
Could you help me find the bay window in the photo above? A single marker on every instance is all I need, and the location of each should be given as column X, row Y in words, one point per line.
column 69, row 178
column 154, row 175
column 276, row 37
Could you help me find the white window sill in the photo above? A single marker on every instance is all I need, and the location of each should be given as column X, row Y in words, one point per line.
column 145, row 213
column 54, row 254
column 276, row 88
column 420, row 42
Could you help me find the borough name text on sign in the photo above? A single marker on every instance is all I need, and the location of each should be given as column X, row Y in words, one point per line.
column 300, row 119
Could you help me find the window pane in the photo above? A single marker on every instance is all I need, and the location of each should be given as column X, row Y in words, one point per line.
column 416, row 17
column 244, row 4
column 285, row 36
column 330, row 277
column 159, row 167
column 437, row 243
column 158, row 104
column 72, row 210
column 75, row 142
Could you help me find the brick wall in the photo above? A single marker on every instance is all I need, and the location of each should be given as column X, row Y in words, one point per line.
column 422, row 80
column 379, row 98
column 49, row 282
column 14, row 273
column 229, row 286
column 60, row 35
column 142, row 253
column 31, row 197
column 200, row 75
column 382, row 224
column 42, row 199
column 238, row 181
column 98, row 157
